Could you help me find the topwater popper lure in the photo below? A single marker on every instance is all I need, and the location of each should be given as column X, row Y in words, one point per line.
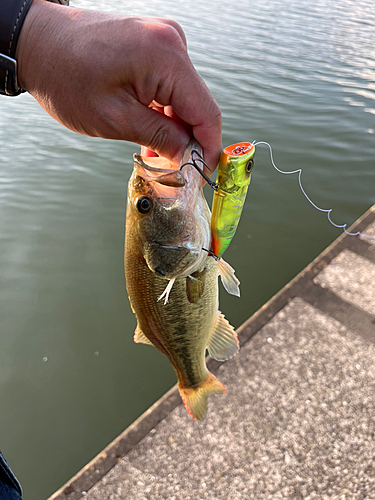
column 233, row 179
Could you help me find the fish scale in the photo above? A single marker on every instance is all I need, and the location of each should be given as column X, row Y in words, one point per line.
column 179, row 329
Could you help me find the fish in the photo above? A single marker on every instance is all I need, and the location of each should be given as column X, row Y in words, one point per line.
column 233, row 179
column 167, row 235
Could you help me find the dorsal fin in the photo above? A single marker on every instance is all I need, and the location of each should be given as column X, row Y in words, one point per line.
column 140, row 337
column 223, row 343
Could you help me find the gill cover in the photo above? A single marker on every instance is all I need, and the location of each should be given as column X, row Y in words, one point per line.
column 233, row 179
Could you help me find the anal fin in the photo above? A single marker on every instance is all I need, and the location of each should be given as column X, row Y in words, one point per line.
column 223, row 343
column 140, row 337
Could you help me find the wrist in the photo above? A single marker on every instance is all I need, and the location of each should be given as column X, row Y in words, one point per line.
column 27, row 43
column 34, row 46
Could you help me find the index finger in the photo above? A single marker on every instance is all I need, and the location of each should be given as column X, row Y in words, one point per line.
column 195, row 105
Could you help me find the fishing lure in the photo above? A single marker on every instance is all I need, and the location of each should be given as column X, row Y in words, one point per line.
column 233, row 179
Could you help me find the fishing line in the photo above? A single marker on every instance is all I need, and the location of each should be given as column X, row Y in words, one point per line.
column 211, row 254
column 327, row 211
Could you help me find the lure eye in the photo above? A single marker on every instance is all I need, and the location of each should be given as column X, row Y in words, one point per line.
column 144, row 205
column 249, row 165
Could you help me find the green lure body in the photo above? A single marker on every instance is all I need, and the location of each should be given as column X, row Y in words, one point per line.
column 233, row 179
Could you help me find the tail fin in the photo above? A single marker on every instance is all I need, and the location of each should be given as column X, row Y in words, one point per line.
column 195, row 398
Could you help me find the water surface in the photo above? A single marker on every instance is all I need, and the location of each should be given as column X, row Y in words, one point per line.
column 298, row 75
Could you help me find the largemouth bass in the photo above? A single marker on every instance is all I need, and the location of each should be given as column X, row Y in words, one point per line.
column 167, row 237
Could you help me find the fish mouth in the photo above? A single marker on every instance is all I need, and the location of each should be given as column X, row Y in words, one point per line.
column 152, row 168
column 165, row 176
column 138, row 159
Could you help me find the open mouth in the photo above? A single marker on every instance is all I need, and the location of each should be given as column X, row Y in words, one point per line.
column 155, row 172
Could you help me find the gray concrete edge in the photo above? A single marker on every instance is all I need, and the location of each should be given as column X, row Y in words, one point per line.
column 89, row 475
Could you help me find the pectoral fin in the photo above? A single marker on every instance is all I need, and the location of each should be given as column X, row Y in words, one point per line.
column 195, row 286
column 223, row 343
column 228, row 279
column 140, row 337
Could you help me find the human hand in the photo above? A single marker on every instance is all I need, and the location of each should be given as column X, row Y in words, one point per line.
column 101, row 75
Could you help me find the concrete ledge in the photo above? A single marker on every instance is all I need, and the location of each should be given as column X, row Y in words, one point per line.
column 301, row 286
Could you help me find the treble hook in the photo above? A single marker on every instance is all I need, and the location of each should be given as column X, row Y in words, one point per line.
column 200, row 158
column 193, row 163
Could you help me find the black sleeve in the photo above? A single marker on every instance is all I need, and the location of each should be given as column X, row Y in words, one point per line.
column 12, row 15
column 10, row 488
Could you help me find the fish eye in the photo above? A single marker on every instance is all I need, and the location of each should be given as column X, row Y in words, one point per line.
column 249, row 165
column 144, row 205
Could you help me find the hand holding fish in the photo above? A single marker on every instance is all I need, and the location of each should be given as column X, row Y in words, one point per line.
column 101, row 75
